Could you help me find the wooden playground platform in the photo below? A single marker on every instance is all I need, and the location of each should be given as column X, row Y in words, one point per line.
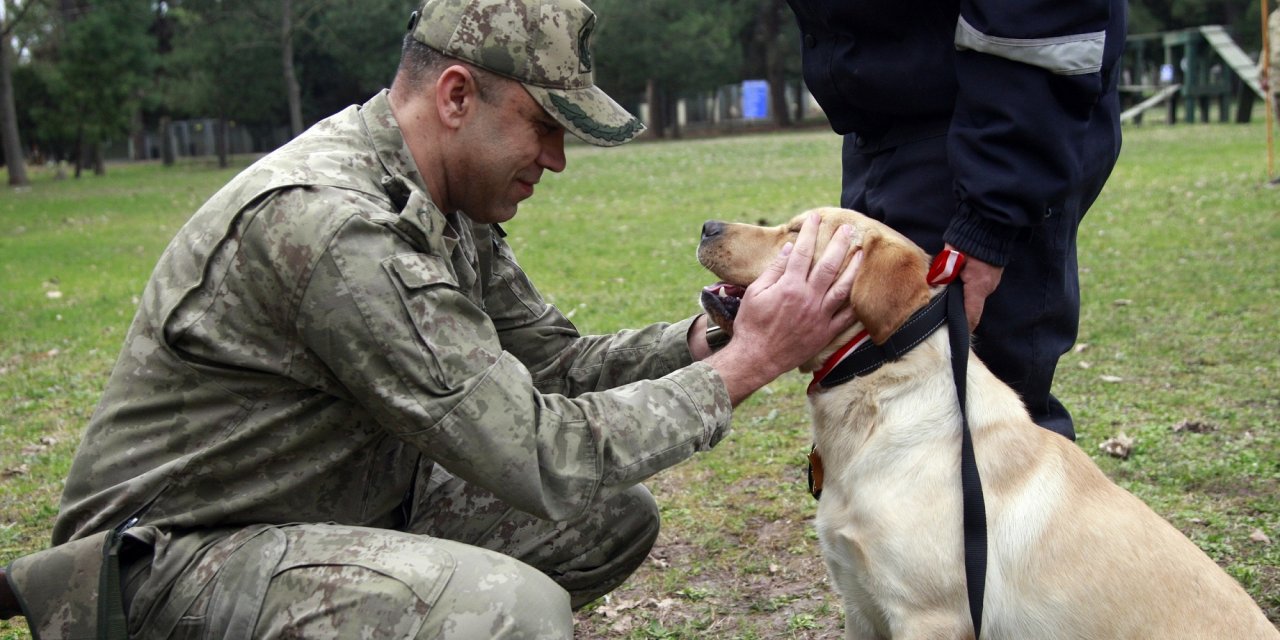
column 1190, row 70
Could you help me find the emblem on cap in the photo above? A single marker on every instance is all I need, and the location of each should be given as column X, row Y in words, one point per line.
column 584, row 45
column 592, row 127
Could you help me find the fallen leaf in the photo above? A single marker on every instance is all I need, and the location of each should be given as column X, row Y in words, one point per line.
column 1122, row 302
column 1085, row 365
column 1195, row 426
column 1079, row 348
column 1259, row 536
column 612, row 609
column 53, row 295
column 20, row 470
column 1118, row 446
column 48, row 441
column 1111, row 379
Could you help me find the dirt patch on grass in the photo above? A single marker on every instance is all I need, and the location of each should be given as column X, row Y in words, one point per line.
column 764, row 587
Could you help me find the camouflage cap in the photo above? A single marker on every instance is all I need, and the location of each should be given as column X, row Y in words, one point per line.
column 543, row 44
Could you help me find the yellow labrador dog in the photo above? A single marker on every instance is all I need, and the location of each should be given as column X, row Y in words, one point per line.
column 1070, row 554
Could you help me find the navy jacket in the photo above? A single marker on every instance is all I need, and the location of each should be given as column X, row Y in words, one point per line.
column 1024, row 89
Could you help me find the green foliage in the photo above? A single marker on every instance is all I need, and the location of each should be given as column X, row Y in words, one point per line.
column 223, row 64
column 103, row 61
column 680, row 45
column 1240, row 17
column 344, row 52
column 350, row 51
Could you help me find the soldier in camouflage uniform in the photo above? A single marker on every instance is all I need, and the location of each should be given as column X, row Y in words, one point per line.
column 342, row 409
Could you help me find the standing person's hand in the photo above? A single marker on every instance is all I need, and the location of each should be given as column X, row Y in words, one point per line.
column 980, row 281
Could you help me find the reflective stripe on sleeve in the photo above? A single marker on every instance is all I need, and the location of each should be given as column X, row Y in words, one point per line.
column 1064, row 55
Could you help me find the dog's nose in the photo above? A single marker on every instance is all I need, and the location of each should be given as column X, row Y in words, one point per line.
column 712, row 228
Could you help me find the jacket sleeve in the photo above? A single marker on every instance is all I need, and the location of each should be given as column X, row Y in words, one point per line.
column 429, row 364
column 559, row 359
column 1029, row 76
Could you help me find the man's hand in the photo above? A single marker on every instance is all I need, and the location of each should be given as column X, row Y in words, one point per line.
column 793, row 310
column 980, row 280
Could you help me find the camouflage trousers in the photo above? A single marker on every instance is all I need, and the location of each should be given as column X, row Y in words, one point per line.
column 466, row 566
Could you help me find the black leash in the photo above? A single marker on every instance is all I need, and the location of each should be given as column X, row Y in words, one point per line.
column 975, row 512
column 947, row 307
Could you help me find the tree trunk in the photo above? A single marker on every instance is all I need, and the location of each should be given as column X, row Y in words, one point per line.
column 138, row 134
column 95, row 155
column 167, row 153
column 802, row 97
column 79, row 150
column 286, row 60
column 220, row 138
column 775, row 73
column 671, row 104
column 657, row 117
column 13, row 156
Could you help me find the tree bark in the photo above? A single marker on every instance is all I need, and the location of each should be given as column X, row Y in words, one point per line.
column 671, row 104
column 221, row 139
column 292, row 87
column 138, row 134
column 167, row 153
column 657, row 108
column 802, row 97
column 79, row 150
column 775, row 73
column 13, row 156
column 95, row 155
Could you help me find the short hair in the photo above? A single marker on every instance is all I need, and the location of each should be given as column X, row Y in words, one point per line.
column 420, row 64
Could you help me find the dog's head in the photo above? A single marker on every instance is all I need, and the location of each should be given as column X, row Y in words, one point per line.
column 889, row 286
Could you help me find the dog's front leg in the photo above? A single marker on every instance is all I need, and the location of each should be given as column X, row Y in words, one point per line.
column 941, row 625
column 862, row 620
column 857, row 626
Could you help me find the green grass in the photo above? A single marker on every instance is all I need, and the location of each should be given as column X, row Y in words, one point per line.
column 1181, row 275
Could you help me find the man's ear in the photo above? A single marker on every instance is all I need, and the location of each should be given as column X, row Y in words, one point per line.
column 455, row 95
column 890, row 285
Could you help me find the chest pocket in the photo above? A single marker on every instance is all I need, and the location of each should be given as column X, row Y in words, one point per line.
column 511, row 295
column 455, row 335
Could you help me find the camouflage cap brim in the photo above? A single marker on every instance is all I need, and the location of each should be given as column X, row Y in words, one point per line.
column 589, row 114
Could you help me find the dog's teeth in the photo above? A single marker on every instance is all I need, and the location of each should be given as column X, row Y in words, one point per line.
column 720, row 292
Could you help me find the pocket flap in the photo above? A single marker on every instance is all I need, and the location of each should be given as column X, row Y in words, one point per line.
column 420, row 270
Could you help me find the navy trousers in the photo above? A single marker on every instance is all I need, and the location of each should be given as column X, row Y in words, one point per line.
column 1032, row 318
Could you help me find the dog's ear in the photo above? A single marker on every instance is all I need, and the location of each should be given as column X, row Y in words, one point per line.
column 890, row 284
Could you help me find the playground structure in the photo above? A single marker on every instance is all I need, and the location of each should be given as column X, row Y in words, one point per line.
column 1189, row 70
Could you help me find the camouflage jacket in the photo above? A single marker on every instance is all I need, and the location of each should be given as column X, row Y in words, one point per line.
column 319, row 325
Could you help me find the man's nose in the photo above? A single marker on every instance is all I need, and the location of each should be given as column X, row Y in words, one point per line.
column 552, row 157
